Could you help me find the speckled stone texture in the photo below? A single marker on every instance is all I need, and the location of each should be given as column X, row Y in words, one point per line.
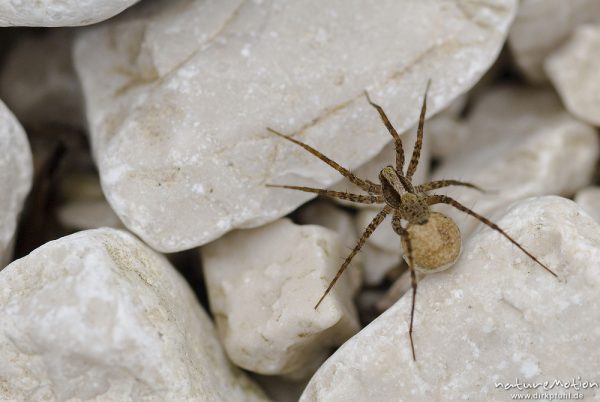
column 263, row 285
column 56, row 13
column 589, row 200
column 523, row 143
column 494, row 317
column 543, row 25
column 16, row 171
column 573, row 69
column 179, row 95
column 98, row 316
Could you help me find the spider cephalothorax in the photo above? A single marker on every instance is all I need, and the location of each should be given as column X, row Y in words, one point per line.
column 430, row 240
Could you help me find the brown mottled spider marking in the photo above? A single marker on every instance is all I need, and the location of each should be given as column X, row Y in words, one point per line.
column 407, row 203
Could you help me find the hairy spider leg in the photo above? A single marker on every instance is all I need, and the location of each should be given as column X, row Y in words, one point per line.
column 414, row 160
column 368, row 231
column 397, row 225
column 393, row 132
column 443, row 199
column 358, row 198
column 434, row 185
column 366, row 185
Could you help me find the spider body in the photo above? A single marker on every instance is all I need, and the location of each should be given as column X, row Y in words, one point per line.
column 430, row 240
column 414, row 208
column 435, row 237
column 436, row 244
column 410, row 206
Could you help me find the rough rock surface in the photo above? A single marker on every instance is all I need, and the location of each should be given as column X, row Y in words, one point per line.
column 56, row 13
column 589, row 200
column 446, row 132
column 16, row 169
column 573, row 69
column 204, row 79
column 542, row 25
column 382, row 250
column 384, row 237
column 493, row 317
column 38, row 80
column 325, row 213
column 263, row 284
column 524, row 145
column 98, row 316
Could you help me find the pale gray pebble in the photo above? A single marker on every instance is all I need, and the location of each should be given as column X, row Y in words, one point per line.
column 16, row 176
column 57, row 13
column 272, row 327
column 573, row 70
column 494, row 317
column 179, row 95
column 97, row 315
column 543, row 25
column 523, row 144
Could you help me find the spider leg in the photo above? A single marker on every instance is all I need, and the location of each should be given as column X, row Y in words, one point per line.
column 368, row 231
column 366, row 185
column 406, row 183
column 358, row 198
column 434, row 185
column 393, row 132
column 442, row 199
column 396, row 224
column 414, row 160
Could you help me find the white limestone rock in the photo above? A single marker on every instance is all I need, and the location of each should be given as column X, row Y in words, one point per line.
column 371, row 263
column 38, row 80
column 525, row 146
column 56, row 13
column 541, row 26
column 377, row 257
column 448, row 135
column 99, row 316
column 493, row 317
column 384, row 237
column 378, row 262
column 382, row 251
column 16, row 170
column 573, row 69
column 263, row 284
column 204, row 79
column 446, row 132
column 326, row 214
column 589, row 200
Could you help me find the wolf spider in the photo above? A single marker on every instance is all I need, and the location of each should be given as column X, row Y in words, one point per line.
column 406, row 202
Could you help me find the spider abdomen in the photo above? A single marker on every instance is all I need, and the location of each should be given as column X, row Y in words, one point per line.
column 436, row 244
column 414, row 208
